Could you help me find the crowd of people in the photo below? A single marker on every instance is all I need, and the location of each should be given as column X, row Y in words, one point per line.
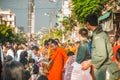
column 93, row 58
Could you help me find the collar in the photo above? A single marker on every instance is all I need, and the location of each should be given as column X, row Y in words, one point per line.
column 98, row 30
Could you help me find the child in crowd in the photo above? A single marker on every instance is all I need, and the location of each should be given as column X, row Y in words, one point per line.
column 113, row 70
column 34, row 70
column 68, row 66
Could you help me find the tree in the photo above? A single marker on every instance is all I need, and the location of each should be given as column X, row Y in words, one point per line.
column 6, row 33
column 81, row 8
column 68, row 23
column 20, row 38
column 52, row 34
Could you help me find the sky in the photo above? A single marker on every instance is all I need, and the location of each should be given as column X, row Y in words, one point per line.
column 20, row 8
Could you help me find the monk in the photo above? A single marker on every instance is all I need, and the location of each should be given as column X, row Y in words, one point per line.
column 58, row 58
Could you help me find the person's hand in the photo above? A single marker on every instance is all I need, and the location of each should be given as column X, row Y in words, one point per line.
column 85, row 65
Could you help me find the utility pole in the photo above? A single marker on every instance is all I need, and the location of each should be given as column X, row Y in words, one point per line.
column 31, row 17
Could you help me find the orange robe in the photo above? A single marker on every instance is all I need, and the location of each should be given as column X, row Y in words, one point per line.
column 115, row 48
column 41, row 49
column 59, row 58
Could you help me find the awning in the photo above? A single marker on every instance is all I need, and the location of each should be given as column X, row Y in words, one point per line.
column 105, row 16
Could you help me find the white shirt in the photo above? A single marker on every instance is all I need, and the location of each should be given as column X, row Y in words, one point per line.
column 10, row 52
column 18, row 54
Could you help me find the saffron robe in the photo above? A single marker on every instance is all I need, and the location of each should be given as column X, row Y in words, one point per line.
column 59, row 57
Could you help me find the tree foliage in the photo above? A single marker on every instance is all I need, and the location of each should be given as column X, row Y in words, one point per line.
column 81, row 8
column 52, row 34
column 6, row 33
column 68, row 23
column 20, row 38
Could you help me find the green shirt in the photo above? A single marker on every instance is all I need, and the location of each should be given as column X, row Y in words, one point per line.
column 82, row 52
column 101, row 49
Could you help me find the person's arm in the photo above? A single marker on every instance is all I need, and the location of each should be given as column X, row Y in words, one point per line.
column 86, row 64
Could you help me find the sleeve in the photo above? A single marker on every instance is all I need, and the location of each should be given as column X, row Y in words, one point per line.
column 99, row 53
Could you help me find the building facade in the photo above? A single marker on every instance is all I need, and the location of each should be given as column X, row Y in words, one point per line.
column 7, row 17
